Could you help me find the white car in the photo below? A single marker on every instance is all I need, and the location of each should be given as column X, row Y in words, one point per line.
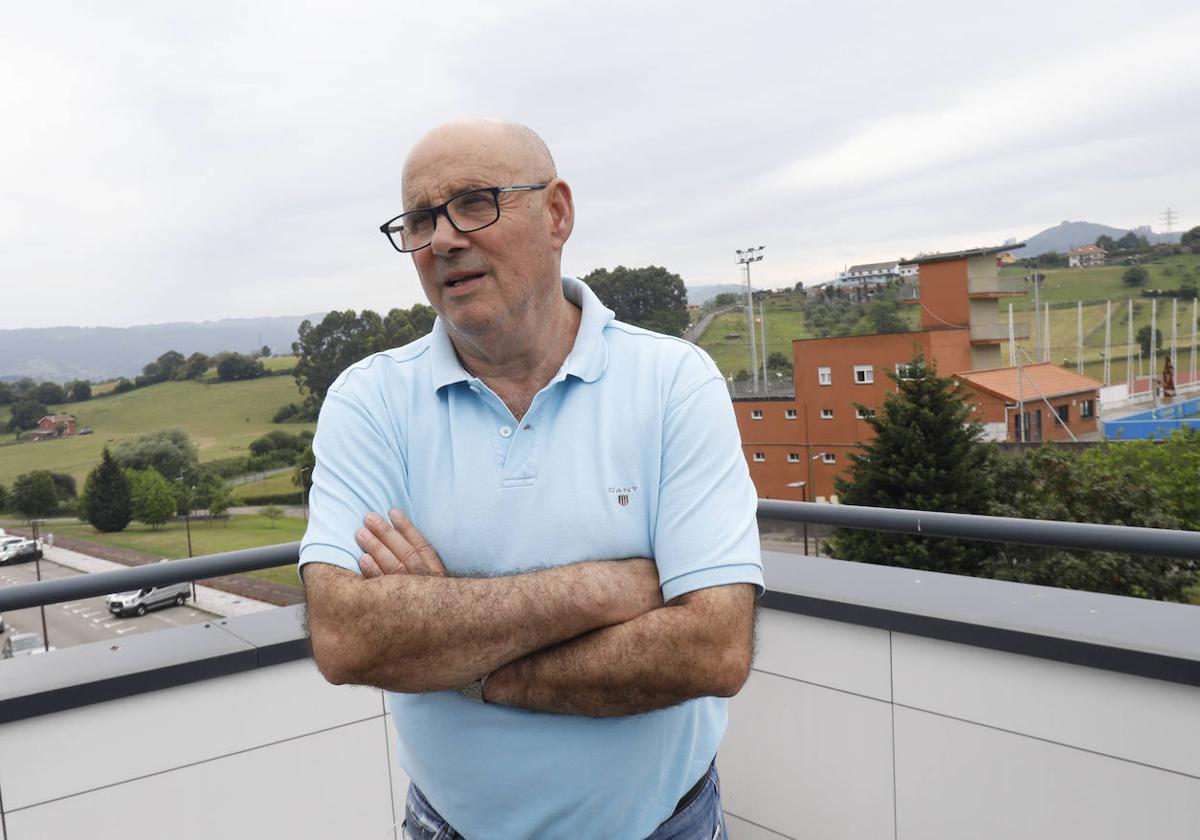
column 19, row 550
column 140, row 600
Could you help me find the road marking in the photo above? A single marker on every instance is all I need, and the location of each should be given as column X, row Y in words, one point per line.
column 126, row 629
column 112, row 624
column 92, row 613
column 72, row 604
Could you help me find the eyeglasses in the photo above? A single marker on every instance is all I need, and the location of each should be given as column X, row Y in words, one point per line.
column 468, row 211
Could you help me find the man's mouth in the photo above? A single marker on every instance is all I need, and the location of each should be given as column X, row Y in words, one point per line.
column 457, row 280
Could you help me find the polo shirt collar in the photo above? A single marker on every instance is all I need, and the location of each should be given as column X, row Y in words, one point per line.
column 587, row 359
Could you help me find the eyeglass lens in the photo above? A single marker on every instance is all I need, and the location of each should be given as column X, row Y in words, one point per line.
column 468, row 212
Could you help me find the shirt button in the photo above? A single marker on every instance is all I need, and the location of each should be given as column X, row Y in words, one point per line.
column 505, row 431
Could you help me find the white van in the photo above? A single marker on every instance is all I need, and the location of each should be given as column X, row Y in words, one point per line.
column 140, row 600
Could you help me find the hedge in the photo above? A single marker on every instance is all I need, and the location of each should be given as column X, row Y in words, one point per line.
column 270, row 499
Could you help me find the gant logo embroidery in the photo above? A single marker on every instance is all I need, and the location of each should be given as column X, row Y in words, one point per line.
column 623, row 494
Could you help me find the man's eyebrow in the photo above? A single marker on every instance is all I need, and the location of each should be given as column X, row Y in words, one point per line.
column 447, row 191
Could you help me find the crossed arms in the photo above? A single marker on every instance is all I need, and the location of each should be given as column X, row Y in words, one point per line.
column 590, row 638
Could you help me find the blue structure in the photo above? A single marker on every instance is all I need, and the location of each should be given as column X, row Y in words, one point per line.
column 1157, row 423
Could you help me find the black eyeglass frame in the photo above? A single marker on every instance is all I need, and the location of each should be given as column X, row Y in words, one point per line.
column 443, row 210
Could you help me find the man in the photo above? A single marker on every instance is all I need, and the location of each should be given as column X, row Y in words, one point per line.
column 534, row 527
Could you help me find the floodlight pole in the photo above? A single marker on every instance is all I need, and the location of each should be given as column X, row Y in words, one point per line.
column 745, row 258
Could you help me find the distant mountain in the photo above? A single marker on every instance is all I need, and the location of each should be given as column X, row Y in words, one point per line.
column 1068, row 235
column 699, row 295
column 57, row 354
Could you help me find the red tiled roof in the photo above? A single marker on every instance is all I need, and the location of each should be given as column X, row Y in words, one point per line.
column 1087, row 249
column 1043, row 379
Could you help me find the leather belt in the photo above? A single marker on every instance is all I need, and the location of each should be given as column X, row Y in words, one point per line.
column 691, row 795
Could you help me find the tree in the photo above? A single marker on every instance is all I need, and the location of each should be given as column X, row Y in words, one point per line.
column 25, row 414
column 153, row 500
column 725, row 299
column 6, row 394
column 926, row 455
column 649, row 297
column 264, row 352
column 324, row 350
column 35, row 495
column 1104, row 485
column 272, row 513
column 1106, row 242
column 220, row 499
column 108, row 499
column 196, row 366
column 123, row 385
column 1143, row 339
column 1132, row 242
column 1191, row 240
column 170, row 451
column 302, row 475
column 232, row 367
column 64, row 485
column 1135, row 276
column 4, row 498
column 80, row 390
column 883, row 316
column 50, row 393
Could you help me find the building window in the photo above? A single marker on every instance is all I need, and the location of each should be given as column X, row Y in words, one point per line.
column 828, row 458
column 864, row 374
column 826, row 413
column 759, row 457
column 793, row 457
column 1064, row 413
column 789, row 414
column 756, row 414
column 1085, row 409
column 907, row 370
column 863, row 413
column 824, row 376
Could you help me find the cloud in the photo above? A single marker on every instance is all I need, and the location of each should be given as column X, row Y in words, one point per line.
column 167, row 162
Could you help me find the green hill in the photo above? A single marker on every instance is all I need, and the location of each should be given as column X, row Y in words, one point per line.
column 221, row 417
column 728, row 342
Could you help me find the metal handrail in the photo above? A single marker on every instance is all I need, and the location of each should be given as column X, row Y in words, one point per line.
column 1080, row 536
column 151, row 574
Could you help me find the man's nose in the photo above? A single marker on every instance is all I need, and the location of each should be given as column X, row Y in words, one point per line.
column 446, row 237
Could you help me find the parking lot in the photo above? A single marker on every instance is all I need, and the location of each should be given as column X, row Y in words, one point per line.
column 88, row 620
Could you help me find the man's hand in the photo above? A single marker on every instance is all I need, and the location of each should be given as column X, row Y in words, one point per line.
column 394, row 546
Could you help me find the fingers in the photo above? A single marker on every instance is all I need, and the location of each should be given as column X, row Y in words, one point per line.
column 398, row 549
column 383, row 558
column 429, row 560
column 368, row 566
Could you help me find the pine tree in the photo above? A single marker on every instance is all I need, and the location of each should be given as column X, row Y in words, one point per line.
column 108, row 502
column 927, row 454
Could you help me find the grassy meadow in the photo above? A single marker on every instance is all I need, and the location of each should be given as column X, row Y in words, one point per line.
column 270, row 486
column 221, row 418
column 170, row 540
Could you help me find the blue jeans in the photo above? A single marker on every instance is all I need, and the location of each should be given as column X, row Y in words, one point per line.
column 702, row 819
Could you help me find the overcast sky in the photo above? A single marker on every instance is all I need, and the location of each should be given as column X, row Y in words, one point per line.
column 164, row 161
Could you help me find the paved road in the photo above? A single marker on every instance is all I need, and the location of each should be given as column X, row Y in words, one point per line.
column 79, row 622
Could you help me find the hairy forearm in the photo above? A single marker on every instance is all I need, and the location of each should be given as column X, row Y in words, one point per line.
column 659, row 659
column 414, row 633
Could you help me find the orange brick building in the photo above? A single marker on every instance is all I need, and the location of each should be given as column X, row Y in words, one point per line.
column 796, row 446
column 1050, row 398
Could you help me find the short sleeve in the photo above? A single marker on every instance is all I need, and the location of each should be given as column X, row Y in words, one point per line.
column 358, row 470
column 706, row 533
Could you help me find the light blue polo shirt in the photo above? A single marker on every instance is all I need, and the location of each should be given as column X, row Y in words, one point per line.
column 631, row 450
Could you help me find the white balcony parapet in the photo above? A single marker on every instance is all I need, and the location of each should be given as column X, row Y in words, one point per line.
column 884, row 702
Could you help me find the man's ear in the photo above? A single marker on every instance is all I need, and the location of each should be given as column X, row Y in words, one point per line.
column 561, row 207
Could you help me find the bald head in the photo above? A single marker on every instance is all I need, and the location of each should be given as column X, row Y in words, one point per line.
column 481, row 146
